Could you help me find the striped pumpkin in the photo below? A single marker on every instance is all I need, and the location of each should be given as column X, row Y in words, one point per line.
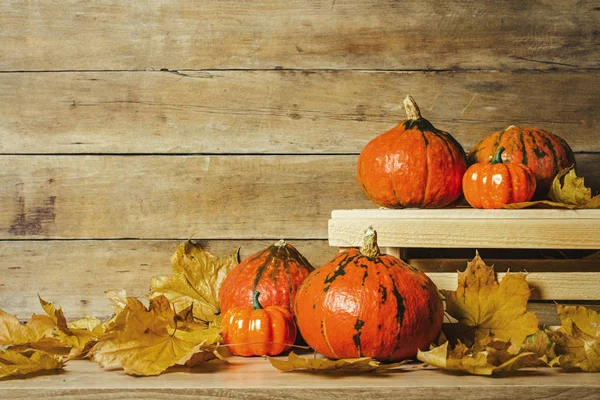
column 412, row 165
column 545, row 153
column 275, row 272
column 364, row 304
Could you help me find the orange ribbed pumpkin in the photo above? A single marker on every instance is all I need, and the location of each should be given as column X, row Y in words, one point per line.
column 545, row 153
column 492, row 185
column 275, row 272
column 412, row 165
column 364, row 304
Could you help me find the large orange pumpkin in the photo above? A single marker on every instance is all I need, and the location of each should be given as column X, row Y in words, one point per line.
column 412, row 165
column 545, row 153
column 275, row 272
column 364, row 304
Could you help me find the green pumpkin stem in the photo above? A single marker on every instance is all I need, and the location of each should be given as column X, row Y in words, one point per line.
column 255, row 304
column 498, row 158
column 369, row 247
column 412, row 109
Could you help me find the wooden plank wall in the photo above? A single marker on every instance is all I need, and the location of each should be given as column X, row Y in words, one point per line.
column 126, row 127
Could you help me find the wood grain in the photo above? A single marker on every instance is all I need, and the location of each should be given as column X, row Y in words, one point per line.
column 177, row 34
column 467, row 227
column 256, row 378
column 163, row 197
column 218, row 197
column 281, row 112
column 76, row 273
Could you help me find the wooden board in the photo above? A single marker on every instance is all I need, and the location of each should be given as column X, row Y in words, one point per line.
column 173, row 197
column 280, row 112
column 256, row 378
column 78, row 34
column 162, row 197
column 467, row 227
column 76, row 273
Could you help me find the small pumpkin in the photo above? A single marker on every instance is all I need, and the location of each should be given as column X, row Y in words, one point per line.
column 545, row 153
column 365, row 304
column 258, row 331
column 412, row 165
column 275, row 272
column 494, row 184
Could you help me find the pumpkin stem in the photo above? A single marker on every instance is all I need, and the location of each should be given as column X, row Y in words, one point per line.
column 280, row 243
column 412, row 109
column 369, row 246
column 255, row 304
column 498, row 158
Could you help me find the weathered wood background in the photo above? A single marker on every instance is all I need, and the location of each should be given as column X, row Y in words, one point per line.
column 127, row 127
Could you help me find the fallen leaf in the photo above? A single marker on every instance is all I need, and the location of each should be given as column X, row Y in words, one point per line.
column 78, row 339
column 567, row 191
column 363, row 364
column 577, row 341
column 15, row 363
column 484, row 307
column 146, row 341
column 540, row 344
column 568, row 188
column 494, row 359
column 197, row 280
column 13, row 333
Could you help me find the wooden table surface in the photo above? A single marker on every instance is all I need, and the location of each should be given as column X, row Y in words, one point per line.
column 256, row 378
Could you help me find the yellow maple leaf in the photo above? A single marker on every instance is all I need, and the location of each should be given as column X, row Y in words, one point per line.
column 577, row 341
column 493, row 358
column 15, row 363
column 363, row 364
column 567, row 191
column 78, row 339
column 484, row 307
column 147, row 341
column 197, row 280
column 13, row 333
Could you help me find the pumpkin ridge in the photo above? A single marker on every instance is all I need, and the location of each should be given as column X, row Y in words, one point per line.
column 286, row 268
column 522, row 140
column 510, row 188
column 425, row 192
column 498, row 140
column 548, row 142
column 324, row 334
column 356, row 337
column 261, row 270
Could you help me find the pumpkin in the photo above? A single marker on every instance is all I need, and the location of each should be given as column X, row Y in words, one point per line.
column 492, row 185
column 258, row 331
column 545, row 153
column 365, row 304
column 275, row 272
column 412, row 165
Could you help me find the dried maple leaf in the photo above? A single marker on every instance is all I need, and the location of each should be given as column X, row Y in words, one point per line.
column 577, row 341
column 484, row 307
column 15, row 363
column 363, row 364
column 78, row 339
column 197, row 280
column 146, row 341
column 494, row 358
column 13, row 333
column 567, row 191
column 540, row 344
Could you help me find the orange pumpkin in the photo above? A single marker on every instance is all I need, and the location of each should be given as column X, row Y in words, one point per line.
column 258, row 331
column 492, row 185
column 545, row 153
column 412, row 165
column 365, row 304
column 275, row 272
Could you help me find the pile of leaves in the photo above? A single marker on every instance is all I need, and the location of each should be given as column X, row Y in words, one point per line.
column 493, row 332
